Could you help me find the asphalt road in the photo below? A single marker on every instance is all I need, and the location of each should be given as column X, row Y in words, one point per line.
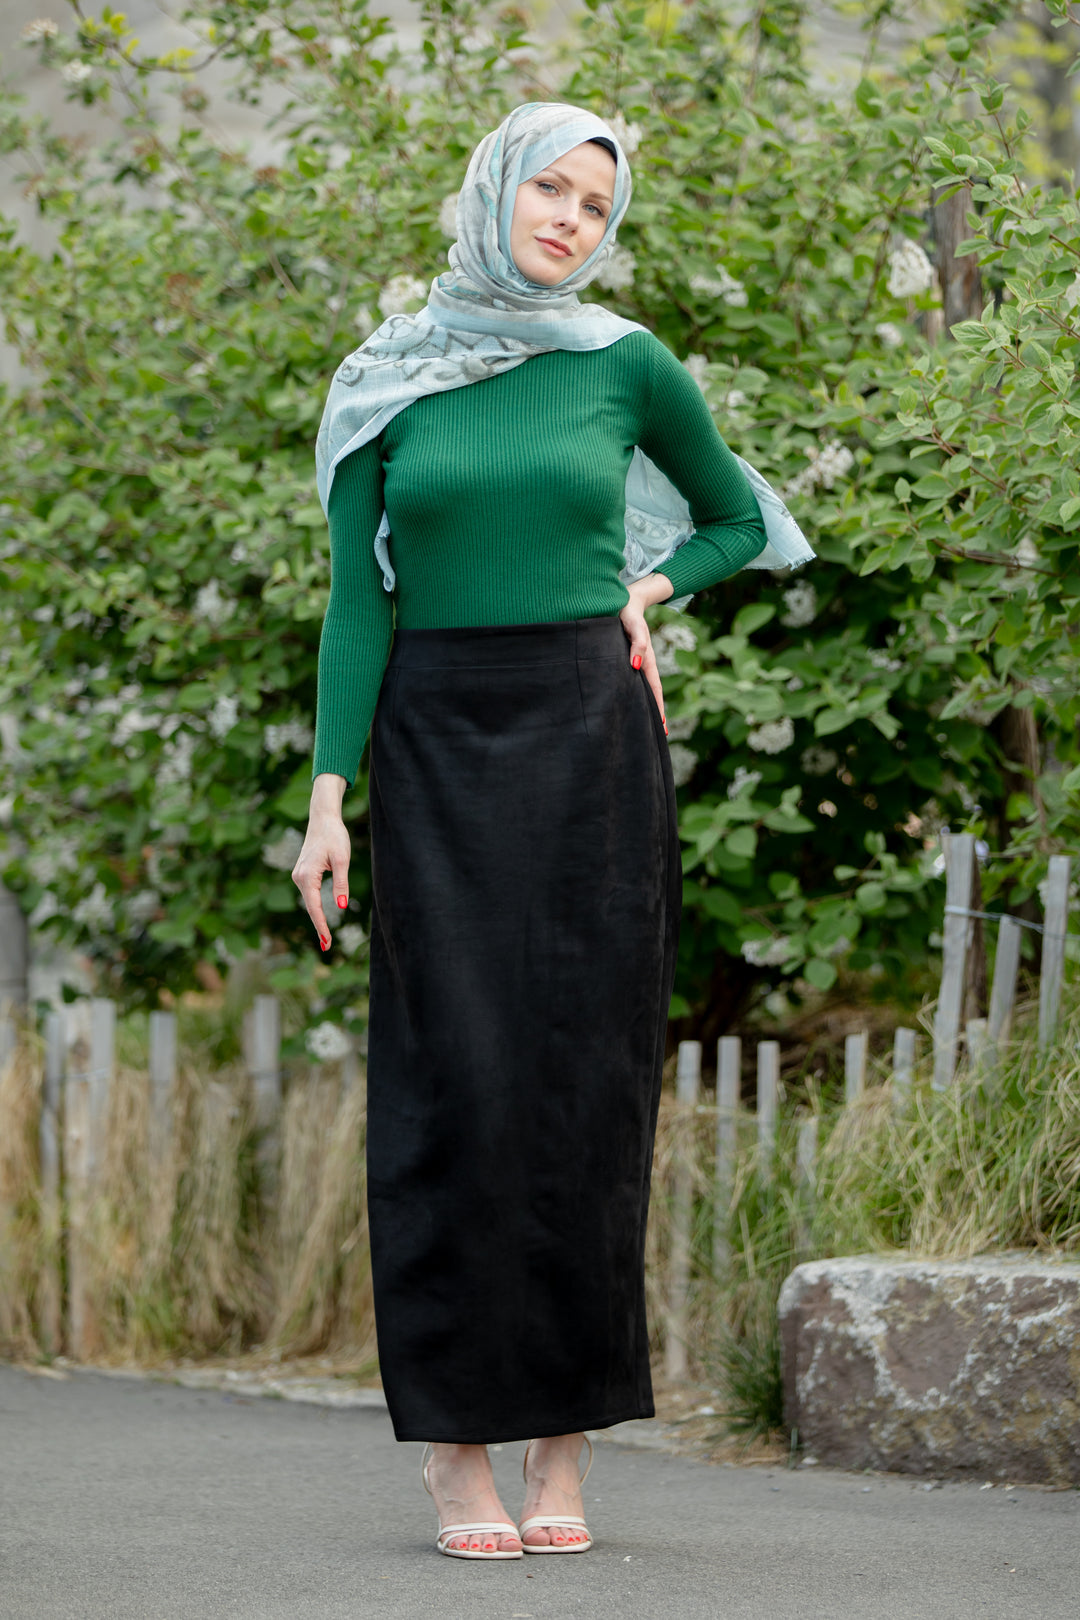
column 133, row 1500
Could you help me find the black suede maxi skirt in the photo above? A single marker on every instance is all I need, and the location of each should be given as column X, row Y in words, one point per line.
column 527, row 890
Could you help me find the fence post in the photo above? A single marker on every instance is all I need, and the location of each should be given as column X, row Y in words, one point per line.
column 768, row 1098
column 1003, row 993
column 687, row 1089
column 903, row 1066
column 728, row 1085
column 262, row 1040
column 90, row 1038
column 855, row 1049
column 162, row 1080
column 49, row 1153
column 806, row 1156
column 77, row 1161
column 91, row 1057
column 976, row 1042
column 959, row 853
column 14, row 955
column 1056, row 922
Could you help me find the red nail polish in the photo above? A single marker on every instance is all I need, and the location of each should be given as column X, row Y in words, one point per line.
column 325, row 943
column 342, row 902
column 636, row 661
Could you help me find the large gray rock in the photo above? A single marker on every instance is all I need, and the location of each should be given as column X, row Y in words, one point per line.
column 936, row 1367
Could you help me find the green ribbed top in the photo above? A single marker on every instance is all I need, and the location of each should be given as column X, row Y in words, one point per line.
column 506, row 502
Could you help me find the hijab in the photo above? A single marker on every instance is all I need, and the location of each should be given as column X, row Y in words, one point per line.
column 484, row 317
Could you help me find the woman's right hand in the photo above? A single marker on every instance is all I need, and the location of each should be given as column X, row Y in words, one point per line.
column 327, row 848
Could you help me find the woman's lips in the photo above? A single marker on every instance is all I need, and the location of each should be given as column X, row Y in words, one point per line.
column 556, row 247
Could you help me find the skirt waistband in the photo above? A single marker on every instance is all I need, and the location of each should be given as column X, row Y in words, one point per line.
column 500, row 644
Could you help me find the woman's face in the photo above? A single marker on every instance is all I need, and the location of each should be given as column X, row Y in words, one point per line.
column 560, row 214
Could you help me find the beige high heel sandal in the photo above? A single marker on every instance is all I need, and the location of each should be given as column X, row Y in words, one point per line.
column 548, row 1521
column 448, row 1531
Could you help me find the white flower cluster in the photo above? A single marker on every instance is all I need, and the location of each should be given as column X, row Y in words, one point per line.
column 211, row 605
column 681, row 726
column 617, row 271
column 766, row 952
column 40, row 28
column 720, row 284
column 826, row 466
column 735, row 399
column 818, row 761
column 400, row 292
column 294, row 734
column 889, row 334
column 698, row 367
column 683, row 763
column 910, row 271
column 76, row 72
column 774, row 736
column 48, row 906
column 281, row 854
column 95, row 909
column 800, row 605
column 62, row 855
column 130, row 724
column 448, row 215
column 176, row 766
column 327, row 1043
column 350, row 937
column 627, row 135
column 364, row 321
column 142, row 906
column 743, row 781
column 224, row 715
column 881, row 659
column 1072, row 291
column 669, row 639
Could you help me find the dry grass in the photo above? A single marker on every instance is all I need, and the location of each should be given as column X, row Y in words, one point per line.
column 181, row 1254
column 187, row 1257
column 992, row 1164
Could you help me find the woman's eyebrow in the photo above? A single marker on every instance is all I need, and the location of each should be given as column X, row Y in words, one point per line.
column 551, row 169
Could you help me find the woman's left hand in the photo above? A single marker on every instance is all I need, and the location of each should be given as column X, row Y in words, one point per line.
column 643, row 593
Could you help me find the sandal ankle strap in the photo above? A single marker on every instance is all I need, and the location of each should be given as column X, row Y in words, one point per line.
column 588, row 1465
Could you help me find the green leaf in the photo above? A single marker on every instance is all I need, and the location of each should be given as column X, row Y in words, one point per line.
column 832, row 720
column 819, row 973
column 742, row 842
column 871, row 897
column 294, row 801
column 868, row 98
column 932, row 485
column 752, row 617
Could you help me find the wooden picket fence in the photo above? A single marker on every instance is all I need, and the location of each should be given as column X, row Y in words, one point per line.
column 80, row 1066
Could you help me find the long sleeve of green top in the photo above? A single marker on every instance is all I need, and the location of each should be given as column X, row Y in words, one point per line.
column 506, row 502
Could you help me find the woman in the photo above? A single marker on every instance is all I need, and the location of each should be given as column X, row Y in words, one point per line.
column 524, row 853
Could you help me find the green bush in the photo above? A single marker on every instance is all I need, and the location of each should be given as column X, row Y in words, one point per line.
column 164, row 557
